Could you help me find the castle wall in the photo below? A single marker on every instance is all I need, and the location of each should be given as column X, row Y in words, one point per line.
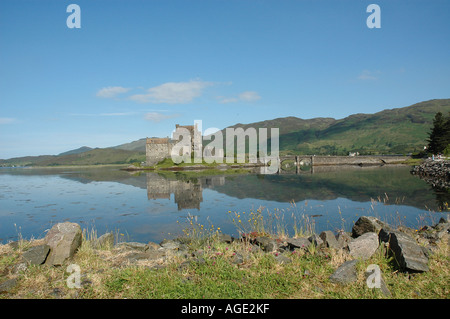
column 157, row 150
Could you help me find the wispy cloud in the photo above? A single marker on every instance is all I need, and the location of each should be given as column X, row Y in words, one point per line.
column 369, row 75
column 158, row 117
column 247, row 96
column 118, row 114
column 6, row 120
column 112, row 91
column 104, row 114
column 172, row 92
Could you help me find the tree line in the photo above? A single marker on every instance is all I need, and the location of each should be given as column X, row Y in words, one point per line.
column 439, row 135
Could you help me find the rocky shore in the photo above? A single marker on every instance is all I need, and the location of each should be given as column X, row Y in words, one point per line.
column 409, row 248
column 434, row 172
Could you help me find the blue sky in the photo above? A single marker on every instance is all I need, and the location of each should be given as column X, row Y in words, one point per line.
column 136, row 68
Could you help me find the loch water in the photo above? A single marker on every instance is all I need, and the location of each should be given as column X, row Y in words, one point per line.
column 147, row 206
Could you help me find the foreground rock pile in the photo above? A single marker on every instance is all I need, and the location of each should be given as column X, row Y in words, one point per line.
column 436, row 173
column 410, row 248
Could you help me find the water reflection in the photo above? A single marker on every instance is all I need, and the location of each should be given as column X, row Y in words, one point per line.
column 389, row 185
column 188, row 192
column 149, row 205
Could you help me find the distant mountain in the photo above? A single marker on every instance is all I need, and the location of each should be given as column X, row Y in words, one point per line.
column 392, row 131
column 95, row 156
column 138, row 145
column 77, row 151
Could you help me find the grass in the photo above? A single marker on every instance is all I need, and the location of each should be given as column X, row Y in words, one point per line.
column 216, row 274
column 260, row 276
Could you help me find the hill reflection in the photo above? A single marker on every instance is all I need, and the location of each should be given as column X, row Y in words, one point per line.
column 389, row 185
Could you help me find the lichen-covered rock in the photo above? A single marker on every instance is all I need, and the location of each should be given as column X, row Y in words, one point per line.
column 364, row 246
column 64, row 239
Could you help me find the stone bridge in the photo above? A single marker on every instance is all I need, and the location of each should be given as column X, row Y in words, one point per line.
column 299, row 164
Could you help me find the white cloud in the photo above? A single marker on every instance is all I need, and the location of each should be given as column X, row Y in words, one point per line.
column 158, row 117
column 111, row 91
column 247, row 96
column 225, row 100
column 172, row 92
column 368, row 75
column 6, row 120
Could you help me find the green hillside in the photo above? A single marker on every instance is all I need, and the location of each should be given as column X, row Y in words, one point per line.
column 392, row 131
column 93, row 157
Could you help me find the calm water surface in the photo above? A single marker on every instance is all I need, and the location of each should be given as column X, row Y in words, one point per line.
column 151, row 207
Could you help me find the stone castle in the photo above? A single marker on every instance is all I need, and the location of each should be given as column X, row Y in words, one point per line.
column 158, row 149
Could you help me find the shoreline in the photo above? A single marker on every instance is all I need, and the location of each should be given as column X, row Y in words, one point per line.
column 255, row 265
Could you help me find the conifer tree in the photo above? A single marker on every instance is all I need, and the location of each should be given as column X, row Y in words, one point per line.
column 439, row 136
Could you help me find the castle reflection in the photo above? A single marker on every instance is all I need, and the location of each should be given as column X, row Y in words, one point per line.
column 187, row 191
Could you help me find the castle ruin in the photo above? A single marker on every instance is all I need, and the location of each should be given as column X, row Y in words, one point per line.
column 158, row 149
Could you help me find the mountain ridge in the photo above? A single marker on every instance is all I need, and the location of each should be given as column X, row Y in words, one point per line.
column 390, row 131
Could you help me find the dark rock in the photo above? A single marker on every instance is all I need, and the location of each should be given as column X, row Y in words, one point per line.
column 444, row 219
column 267, row 244
column 408, row 255
column 346, row 273
column 434, row 172
column 225, row 238
column 366, row 224
column 300, row 242
column 343, row 239
column 329, row 239
column 8, row 285
column 36, row 255
column 316, row 240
